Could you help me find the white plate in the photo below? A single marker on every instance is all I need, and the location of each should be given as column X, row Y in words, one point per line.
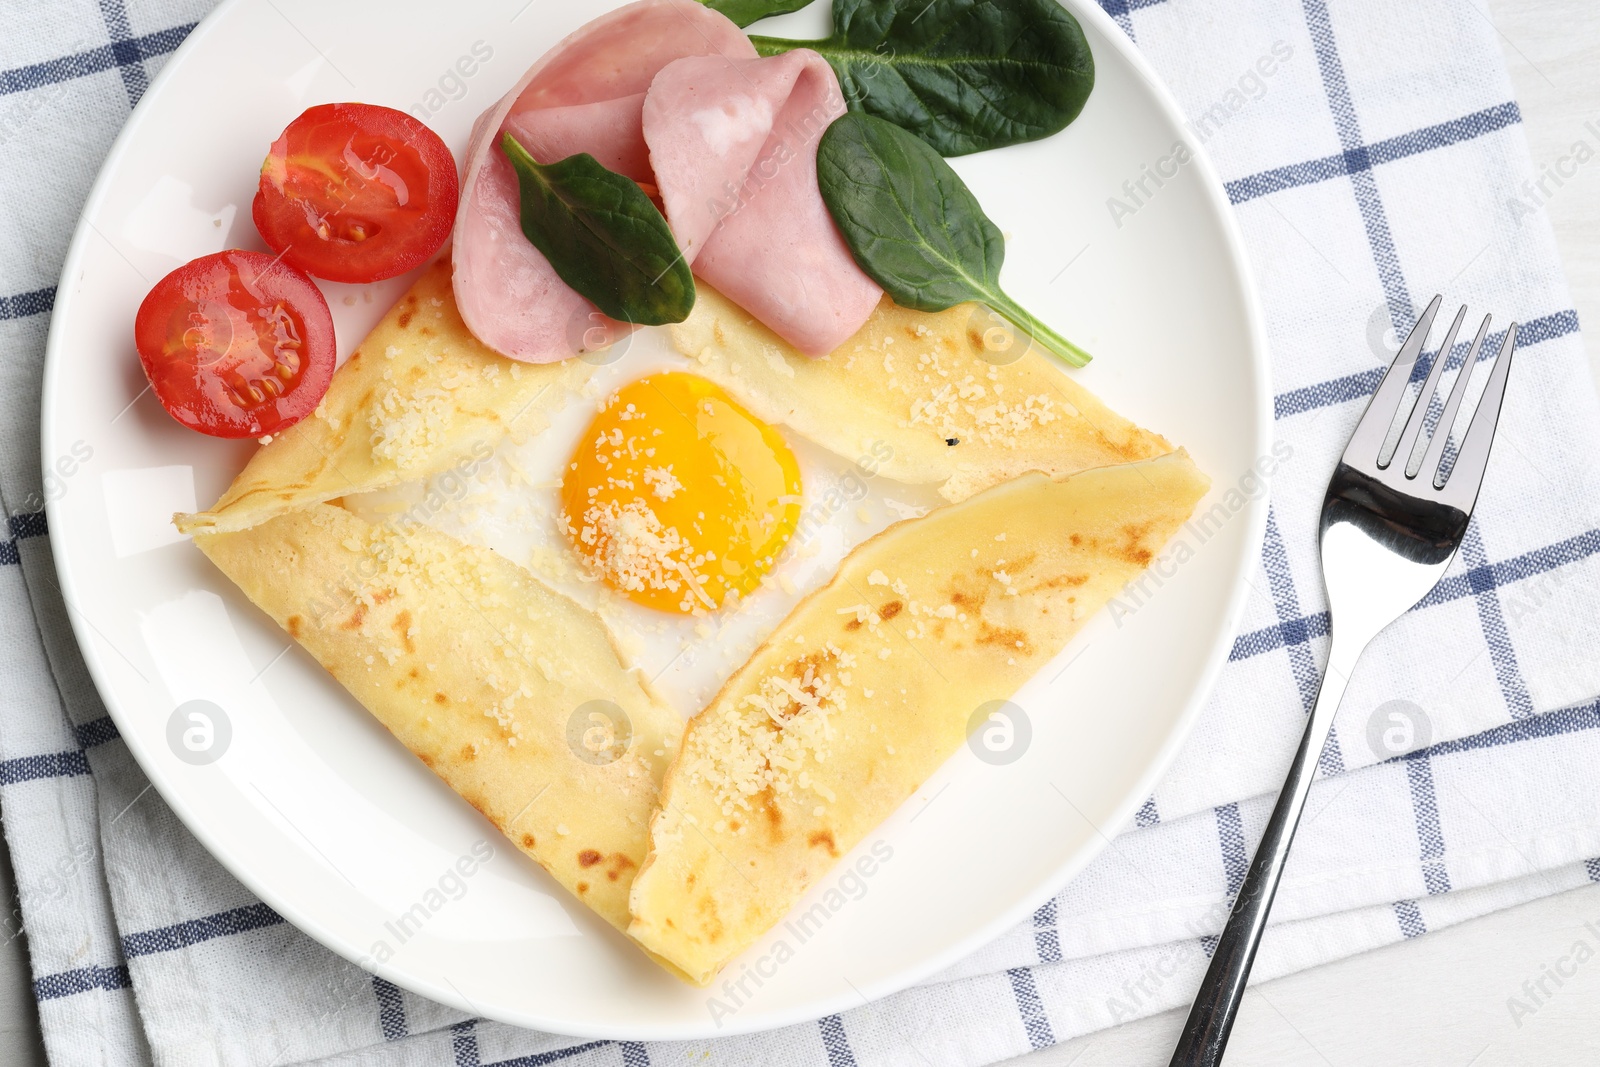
column 319, row 811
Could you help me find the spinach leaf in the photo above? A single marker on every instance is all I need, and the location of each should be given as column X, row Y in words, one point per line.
column 744, row 12
column 915, row 227
column 603, row 236
column 964, row 75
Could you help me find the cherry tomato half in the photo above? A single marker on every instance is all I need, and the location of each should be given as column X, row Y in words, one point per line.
column 236, row 344
column 356, row 192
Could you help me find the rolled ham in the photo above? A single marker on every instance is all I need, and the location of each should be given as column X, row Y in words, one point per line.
column 585, row 95
column 733, row 143
column 671, row 94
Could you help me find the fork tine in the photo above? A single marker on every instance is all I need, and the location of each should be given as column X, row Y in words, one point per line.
column 1461, row 489
column 1367, row 441
column 1447, row 419
column 1419, row 411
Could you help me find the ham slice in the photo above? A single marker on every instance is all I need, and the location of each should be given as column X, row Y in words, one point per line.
column 585, row 94
column 671, row 94
column 606, row 129
column 733, row 143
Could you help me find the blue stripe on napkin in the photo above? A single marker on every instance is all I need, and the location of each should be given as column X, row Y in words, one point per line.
column 82, row 64
column 82, row 980
column 391, row 1009
column 194, row 931
column 1035, row 1022
column 21, row 305
column 1442, row 135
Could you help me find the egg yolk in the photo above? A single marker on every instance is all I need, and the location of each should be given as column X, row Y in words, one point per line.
column 677, row 497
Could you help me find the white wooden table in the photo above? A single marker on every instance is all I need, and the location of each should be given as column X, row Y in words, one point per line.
column 1440, row 999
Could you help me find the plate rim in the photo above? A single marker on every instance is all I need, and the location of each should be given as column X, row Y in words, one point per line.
column 1255, row 515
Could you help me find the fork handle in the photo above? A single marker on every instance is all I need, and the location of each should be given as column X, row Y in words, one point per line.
column 1205, row 1034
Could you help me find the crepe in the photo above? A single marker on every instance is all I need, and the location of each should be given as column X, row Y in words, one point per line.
column 509, row 691
column 420, row 395
column 952, row 412
column 869, row 686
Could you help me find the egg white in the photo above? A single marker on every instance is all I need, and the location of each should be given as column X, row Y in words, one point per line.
column 510, row 503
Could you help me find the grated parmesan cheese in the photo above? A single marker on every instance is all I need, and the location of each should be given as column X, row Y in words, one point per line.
column 766, row 742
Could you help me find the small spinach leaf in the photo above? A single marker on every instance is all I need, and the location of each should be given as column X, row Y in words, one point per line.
column 603, row 236
column 744, row 12
column 964, row 75
column 915, row 227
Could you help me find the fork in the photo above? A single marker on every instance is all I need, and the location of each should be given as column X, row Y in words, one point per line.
column 1387, row 536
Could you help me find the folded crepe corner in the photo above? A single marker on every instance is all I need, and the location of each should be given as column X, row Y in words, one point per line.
column 952, row 412
column 421, row 394
column 474, row 664
column 868, row 686
column 478, row 668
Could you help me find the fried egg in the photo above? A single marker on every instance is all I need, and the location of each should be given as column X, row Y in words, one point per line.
column 688, row 524
column 677, row 497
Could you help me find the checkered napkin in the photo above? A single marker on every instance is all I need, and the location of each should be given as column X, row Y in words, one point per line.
column 1369, row 166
